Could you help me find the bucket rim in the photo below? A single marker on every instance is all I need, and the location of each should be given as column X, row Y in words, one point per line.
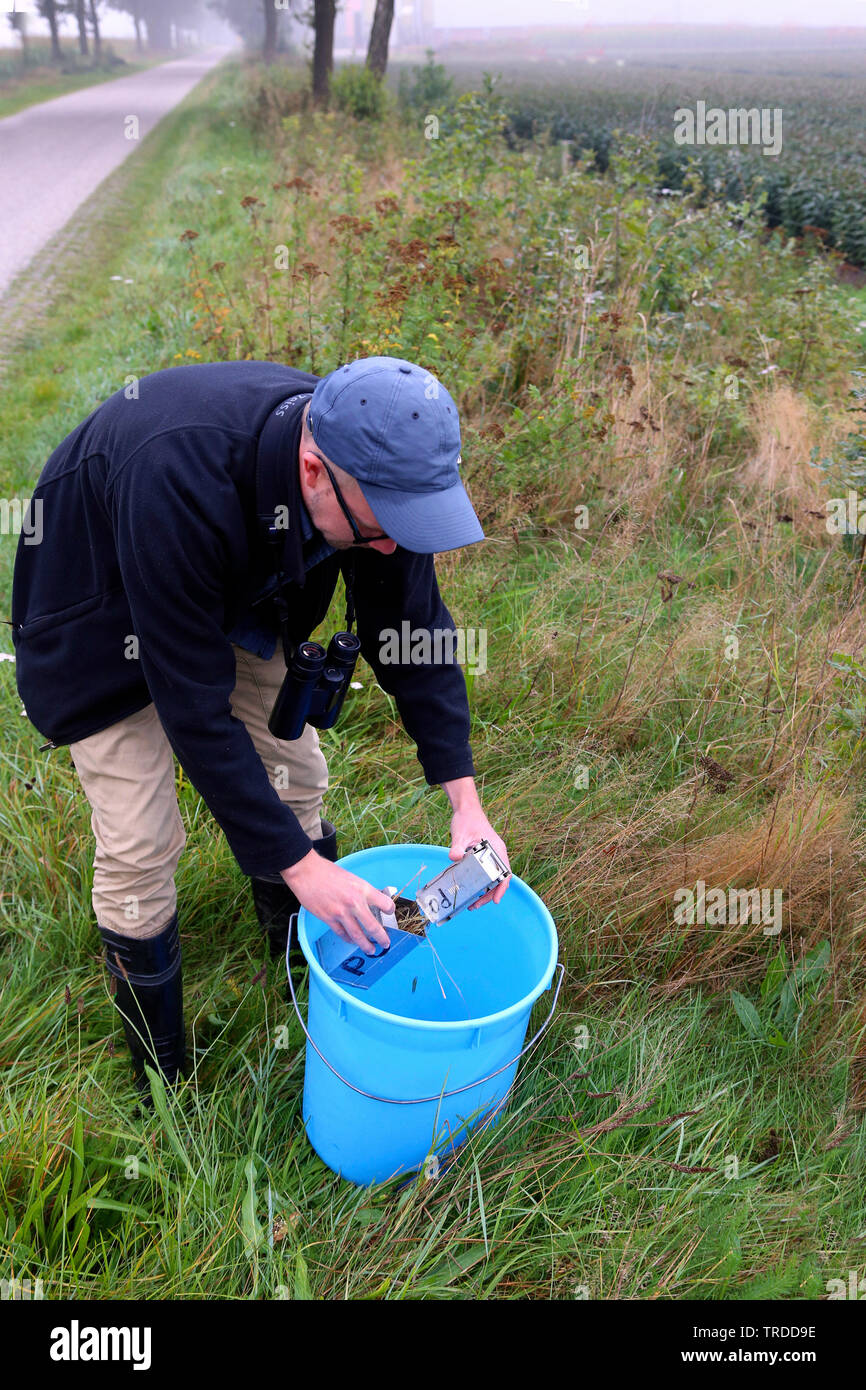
column 433, row 1025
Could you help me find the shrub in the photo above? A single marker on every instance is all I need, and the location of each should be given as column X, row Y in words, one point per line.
column 431, row 86
column 269, row 94
column 359, row 92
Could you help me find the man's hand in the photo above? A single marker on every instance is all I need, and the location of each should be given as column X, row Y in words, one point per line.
column 339, row 898
column 468, row 825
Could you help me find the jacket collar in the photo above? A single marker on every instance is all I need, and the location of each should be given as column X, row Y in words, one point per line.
column 278, row 484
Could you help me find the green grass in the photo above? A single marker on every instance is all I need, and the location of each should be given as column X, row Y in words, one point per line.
column 665, row 1140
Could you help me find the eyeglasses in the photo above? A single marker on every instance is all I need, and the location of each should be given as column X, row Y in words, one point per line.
column 359, row 539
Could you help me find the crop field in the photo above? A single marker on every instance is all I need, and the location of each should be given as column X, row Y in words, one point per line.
column 591, row 87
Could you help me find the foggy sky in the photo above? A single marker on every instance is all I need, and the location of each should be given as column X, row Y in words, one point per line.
column 573, row 13
column 493, row 13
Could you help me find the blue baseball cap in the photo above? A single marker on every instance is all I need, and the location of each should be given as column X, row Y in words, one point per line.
column 395, row 428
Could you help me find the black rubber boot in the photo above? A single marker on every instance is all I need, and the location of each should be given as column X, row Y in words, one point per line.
column 149, row 999
column 275, row 902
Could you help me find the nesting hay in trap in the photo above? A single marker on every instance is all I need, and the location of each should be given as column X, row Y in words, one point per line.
column 409, row 917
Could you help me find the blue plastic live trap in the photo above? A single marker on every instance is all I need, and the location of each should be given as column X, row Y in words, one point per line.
column 346, row 964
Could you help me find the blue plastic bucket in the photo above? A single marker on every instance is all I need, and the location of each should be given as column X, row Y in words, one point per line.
column 397, row 1073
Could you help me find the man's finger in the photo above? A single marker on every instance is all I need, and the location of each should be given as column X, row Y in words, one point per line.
column 360, row 938
column 495, row 895
column 355, row 936
column 481, row 901
column 373, row 928
column 347, row 935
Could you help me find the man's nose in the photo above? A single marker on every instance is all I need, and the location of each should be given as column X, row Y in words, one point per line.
column 384, row 547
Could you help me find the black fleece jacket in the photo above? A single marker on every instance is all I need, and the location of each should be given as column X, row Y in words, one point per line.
column 153, row 515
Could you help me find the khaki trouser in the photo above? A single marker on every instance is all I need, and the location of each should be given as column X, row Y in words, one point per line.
column 128, row 775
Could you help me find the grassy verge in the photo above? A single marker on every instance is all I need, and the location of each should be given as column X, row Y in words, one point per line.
column 21, row 87
column 658, row 707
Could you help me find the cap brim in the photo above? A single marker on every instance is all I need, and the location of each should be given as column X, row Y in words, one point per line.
column 426, row 522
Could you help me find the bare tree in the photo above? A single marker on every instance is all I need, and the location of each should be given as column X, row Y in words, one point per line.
column 380, row 34
column 135, row 10
column 97, row 36
column 18, row 21
column 48, row 10
column 323, row 49
column 269, row 47
column 78, row 10
column 259, row 24
column 83, row 46
column 158, row 16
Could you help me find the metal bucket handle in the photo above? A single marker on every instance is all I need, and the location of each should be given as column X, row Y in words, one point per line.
column 443, row 1095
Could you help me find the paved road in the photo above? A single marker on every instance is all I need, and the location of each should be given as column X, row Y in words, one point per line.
column 52, row 156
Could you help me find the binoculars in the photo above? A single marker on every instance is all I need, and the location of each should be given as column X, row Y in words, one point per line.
column 315, row 686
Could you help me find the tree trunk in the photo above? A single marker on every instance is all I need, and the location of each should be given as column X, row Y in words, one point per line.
column 139, row 45
column 50, row 12
column 323, row 50
column 158, row 32
column 83, row 46
column 97, row 37
column 269, row 50
column 380, row 33
column 19, row 24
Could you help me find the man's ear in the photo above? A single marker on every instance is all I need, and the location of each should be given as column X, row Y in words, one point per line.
column 314, row 466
